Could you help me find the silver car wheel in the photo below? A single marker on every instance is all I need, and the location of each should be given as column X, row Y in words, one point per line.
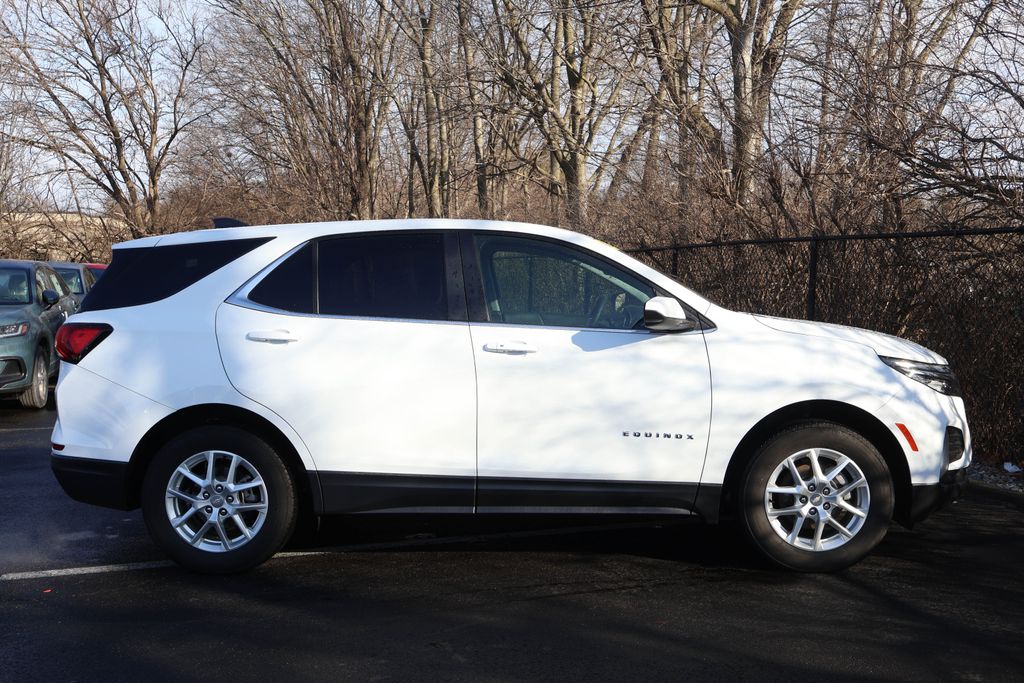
column 40, row 380
column 216, row 501
column 817, row 499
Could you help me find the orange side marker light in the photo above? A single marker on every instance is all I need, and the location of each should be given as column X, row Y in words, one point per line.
column 908, row 436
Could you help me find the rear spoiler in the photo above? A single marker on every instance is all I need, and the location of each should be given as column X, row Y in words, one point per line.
column 226, row 222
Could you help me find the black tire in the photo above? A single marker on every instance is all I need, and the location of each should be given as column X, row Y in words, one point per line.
column 280, row 500
column 753, row 513
column 38, row 392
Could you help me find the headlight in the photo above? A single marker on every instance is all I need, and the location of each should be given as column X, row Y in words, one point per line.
column 938, row 377
column 15, row 330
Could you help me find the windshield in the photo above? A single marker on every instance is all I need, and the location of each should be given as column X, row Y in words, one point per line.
column 73, row 278
column 14, row 286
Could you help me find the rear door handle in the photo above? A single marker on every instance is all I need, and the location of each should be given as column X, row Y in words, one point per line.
column 272, row 336
column 511, row 347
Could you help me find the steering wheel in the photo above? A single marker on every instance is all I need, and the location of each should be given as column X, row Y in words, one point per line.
column 597, row 311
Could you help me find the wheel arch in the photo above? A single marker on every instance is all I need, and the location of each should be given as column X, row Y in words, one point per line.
column 852, row 417
column 306, row 481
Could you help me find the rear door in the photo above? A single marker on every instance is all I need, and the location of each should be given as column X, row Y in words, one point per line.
column 360, row 343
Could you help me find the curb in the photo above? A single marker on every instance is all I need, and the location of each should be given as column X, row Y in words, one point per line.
column 993, row 491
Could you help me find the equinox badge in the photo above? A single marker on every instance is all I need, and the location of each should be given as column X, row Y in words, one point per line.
column 657, row 435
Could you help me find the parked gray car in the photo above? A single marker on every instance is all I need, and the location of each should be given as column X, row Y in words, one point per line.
column 78, row 277
column 34, row 302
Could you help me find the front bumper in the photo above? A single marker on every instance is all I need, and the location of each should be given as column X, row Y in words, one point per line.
column 97, row 482
column 13, row 374
column 16, row 357
column 928, row 498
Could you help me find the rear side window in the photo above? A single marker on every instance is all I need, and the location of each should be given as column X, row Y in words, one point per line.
column 383, row 276
column 290, row 286
column 142, row 275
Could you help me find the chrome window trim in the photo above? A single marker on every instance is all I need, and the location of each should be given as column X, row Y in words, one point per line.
column 240, row 297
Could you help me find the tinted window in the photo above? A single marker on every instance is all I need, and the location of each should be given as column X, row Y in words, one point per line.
column 290, row 286
column 73, row 278
column 534, row 282
column 14, row 287
column 386, row 276
column 142, row 275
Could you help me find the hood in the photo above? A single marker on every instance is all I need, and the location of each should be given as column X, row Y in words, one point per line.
column 16, row 313
column 882, row 344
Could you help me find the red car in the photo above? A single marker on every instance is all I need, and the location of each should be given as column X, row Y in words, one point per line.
column 96, row 268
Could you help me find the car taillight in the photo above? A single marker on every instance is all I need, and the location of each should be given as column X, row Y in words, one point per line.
column 74, row 340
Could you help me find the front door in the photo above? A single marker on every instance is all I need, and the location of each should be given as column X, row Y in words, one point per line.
column 580, row 408
column 357, row 343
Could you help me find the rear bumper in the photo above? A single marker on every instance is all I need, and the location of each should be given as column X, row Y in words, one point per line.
column 97, row 482
column 928, row 498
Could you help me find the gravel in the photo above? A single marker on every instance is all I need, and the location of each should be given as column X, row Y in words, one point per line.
column 996, row 476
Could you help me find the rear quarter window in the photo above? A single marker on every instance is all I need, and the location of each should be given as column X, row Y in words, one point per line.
column 290, row 286
column 142, row 275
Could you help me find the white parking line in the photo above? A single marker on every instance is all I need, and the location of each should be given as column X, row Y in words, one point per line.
column 76, row 571
column 27, row 429
column 108, row 568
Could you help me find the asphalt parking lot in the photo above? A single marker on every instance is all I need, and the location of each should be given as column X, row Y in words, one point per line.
column 84, row 595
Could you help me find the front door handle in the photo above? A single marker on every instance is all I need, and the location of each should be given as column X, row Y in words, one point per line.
column 272, row 336
column 511, row 347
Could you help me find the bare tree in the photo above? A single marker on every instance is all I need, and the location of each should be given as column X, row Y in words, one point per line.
column 303, row 88
column 757, row 31
column 562, row 62
column 107, row 89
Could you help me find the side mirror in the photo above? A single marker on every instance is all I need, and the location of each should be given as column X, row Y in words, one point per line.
column 665, row 314
column 50, row 298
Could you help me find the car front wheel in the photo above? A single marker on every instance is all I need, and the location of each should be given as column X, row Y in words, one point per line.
column 38, row 392
column 219, row 500
column 816, row 497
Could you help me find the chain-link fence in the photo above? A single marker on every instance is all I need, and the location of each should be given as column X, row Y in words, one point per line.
column 960, row 293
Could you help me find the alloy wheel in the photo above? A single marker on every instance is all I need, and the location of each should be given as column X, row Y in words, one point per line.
column 817, row 499
column 217, row 501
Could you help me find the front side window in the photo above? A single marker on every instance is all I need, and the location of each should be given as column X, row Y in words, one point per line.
column 536, row 282
column 41, row 285
column 57, row 283
column 383, row 276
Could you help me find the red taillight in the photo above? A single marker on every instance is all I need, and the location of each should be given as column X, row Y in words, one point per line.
column 74, row 340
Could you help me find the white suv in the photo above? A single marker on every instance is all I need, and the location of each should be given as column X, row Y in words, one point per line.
column 226, row 380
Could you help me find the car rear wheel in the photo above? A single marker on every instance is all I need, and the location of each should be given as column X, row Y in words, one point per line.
column 219, row 500
column 817, row 497
column 37, row 393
